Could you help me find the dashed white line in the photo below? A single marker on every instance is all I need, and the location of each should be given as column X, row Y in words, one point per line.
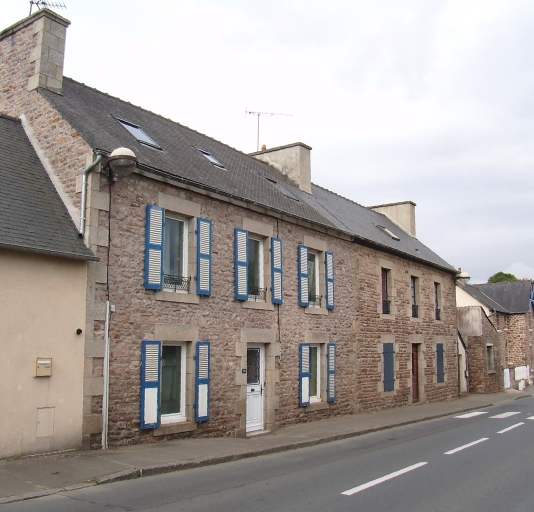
column 450, row 452
column 510, row 428
column 471, row 414
column 372, row 483
column 505, row 415
column 530, row 418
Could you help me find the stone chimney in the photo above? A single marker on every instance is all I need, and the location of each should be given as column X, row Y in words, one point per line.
column 37, row 45
column 293, row 161
column 402, row 214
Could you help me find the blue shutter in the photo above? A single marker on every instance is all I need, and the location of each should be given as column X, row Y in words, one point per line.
column 329, row 272
column 304, row 358
column 241, row 264
column 204, row 228
column 154, row 247
column 439, row 362
column 331, row 372
column 150, row 383
column 389, row 367
column 304, row 279
column 202, row 392
column 276, row 271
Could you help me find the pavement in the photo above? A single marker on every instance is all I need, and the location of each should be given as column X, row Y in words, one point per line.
column 41, row 475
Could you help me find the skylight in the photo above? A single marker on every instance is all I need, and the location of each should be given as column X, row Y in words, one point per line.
column 279, row 187
column 139, row 134
column 387, row 232
column 211, row 158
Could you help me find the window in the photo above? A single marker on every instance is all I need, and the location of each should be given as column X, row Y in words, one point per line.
column 315, row 280
column 139, row 134
column 250, row 268
column 172, row 384
column 437, row 300
column 386, row 302
column 414, row 293
column 315, row 382
column 440, row 363
column 211, row 158
column 388, row 353
column 167, row 249
column 175, row 268
column 387, row 232
column 490, row 358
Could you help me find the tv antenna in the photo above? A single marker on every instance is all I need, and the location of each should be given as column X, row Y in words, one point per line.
column 42, row 4
column 258, row 114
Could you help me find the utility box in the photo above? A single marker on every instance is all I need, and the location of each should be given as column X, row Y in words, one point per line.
column 43, row 367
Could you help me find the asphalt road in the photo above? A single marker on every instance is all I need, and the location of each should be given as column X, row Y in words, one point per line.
column 475, row 463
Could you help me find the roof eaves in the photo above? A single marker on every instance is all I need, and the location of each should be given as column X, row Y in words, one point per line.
column 50, row 252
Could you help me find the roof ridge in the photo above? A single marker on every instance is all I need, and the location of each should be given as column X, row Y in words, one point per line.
column 342, row 197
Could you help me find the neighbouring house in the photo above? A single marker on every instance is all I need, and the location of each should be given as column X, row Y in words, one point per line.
column 232, row 295
column 43, row 276
column 508, row 306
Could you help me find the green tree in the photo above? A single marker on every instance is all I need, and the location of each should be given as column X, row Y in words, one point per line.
column 502, row 277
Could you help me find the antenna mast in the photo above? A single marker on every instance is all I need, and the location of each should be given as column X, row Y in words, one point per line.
column 262, row 114
column 42, row 4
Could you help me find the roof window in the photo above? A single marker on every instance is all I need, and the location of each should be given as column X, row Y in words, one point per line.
column 139, row 134
column 279, row 187
column 387, row 232
column 211, row 158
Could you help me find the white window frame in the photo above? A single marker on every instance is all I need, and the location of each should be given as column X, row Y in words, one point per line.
column 185, row 249
column 316, row 398
column 166, row 419
column 261, row 241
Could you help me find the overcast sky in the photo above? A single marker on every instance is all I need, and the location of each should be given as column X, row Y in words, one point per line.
column 430, row 101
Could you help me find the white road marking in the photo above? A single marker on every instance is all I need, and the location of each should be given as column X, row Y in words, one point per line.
column 505, row 415
column 450, row 452
column 530, row 418
column 471, row 414
column 362, row 487
column 510, row 428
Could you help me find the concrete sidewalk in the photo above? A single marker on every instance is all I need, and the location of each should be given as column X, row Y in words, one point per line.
column 31, row 477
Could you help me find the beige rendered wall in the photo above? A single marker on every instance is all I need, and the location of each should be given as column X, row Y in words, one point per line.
column 41, row 305
column 463, row 299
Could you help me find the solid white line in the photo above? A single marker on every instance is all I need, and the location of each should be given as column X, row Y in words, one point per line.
column 471, row 414
column 362, row 487
column 505, row 415
column 530, row 418
column 450, row 452
column 510, row 428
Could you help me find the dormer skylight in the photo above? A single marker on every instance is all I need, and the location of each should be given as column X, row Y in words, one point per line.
column 279, row 187
column 387, row 232
column 211, row 158
column 139, row 134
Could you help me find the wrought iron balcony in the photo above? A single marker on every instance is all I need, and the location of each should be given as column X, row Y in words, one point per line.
column 438, row 314
column 415, row 311
column 176, row 283
column 314, row 300
column 386, row 309
column 257, row 294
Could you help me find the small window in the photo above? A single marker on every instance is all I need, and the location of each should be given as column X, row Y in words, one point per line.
column 387, row 232
column 279, row 187
column 172, row 384
column 139, row 134
column 414, row 282
column 314, row 296
column 255, row 282
column 490, row 358
column 386, row 302
column 437, row 300
column 211, row 158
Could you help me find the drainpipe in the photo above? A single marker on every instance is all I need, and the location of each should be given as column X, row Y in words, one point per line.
column 86, row 172
column 105, row 394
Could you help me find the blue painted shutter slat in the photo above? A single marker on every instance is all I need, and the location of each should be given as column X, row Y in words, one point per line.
column 276, row 271
column 202, row 392
column 389, row 367
column 331, row 372
column 204, row 230
column 304, row 278
column 155, row 216
column 440, row 365
column 304, row 358
column 150, row 384
column 241, row 264
column 329, row 272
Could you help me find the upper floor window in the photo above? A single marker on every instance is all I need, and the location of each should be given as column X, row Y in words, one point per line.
column 255, row 275
column 386, row 302
column 437, row 300
column 314, row 297
column 139, row 134
column 414, row 292
column 175, row 268
column 316, row 278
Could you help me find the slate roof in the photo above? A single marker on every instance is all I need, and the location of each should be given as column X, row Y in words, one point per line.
column 482, row 297
column 94, row 115
column 515, row 297
column 32, row 216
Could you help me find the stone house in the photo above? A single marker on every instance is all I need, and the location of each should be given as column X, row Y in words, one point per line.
column 43, row 277
column 232, row 295
column 508, row 306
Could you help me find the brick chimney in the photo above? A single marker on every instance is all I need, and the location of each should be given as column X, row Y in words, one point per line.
column 293, row 161
column 36, row 45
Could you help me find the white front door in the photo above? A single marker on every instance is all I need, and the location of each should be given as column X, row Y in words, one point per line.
column 255, row 385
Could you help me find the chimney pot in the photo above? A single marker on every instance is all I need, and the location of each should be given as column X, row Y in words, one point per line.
column 263, row 147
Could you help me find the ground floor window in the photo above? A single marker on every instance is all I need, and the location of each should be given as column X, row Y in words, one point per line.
column 489, row 354
column 315, row 373
column 172, row 384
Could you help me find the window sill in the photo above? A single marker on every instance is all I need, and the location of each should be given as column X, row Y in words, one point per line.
column 187, row 298
column 316, row 406
column 416, row 320
column 490, row 372
column 311, row 310
column 175, row 428
column 387, row 317
column 253, row 304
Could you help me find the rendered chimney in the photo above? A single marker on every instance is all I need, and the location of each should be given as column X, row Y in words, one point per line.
column 293, row 161
column 402, row 214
